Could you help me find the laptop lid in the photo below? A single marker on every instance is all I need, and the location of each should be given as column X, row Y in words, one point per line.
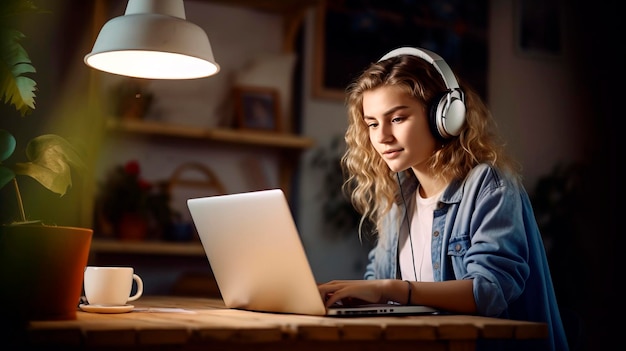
column 255, row 252
column 257, row 256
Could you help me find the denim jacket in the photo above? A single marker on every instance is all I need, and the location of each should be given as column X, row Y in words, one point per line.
column 484, row 229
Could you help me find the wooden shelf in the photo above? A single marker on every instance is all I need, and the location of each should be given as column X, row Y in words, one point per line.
column 234, row 136
column 147, row 247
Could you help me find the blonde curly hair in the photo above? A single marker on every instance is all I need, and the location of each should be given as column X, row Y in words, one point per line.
column 369, row 183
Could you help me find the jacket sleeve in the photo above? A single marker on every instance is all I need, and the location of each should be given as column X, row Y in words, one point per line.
column 382, row 259
column 496, row 245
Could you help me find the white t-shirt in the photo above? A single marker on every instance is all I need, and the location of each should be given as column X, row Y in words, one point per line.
column 417, row 264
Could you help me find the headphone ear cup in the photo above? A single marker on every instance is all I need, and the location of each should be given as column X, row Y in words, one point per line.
column 434, row 115
column 446, row 115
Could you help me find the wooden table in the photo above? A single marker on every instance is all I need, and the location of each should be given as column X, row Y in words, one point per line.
column 187, row 323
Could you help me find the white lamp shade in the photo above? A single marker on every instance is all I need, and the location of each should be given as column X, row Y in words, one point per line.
column 153, row 40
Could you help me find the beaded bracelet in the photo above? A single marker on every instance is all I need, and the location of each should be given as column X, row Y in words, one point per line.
column 408, row 302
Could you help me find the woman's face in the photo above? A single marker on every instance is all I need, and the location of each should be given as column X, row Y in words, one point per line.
column 398, row 127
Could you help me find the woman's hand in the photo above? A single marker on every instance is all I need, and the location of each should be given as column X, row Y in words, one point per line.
column 350, row 292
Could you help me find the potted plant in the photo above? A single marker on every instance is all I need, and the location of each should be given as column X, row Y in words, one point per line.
column 340, row 217
column 129, row 206
column 41, row 265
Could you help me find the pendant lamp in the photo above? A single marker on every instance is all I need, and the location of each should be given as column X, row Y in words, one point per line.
column 153, row 40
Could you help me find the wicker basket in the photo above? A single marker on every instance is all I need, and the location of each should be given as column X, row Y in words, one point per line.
column 189, row 180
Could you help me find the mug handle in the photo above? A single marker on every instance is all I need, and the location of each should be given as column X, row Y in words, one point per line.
column 139, row 292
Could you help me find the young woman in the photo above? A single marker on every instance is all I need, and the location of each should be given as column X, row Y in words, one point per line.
column 455, row 227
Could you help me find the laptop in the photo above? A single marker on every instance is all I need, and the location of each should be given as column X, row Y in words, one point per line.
column 258, row 260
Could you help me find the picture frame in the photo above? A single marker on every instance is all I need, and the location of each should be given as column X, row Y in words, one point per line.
column 351, row 35
column 257, row 108
column 538, row 28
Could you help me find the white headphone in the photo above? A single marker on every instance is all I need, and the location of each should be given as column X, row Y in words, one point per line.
column 446, row 111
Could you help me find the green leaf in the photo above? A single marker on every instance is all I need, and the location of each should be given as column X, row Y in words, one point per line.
column 16, row 88
column 51, row 160
column 7, row 145
column 6, row 175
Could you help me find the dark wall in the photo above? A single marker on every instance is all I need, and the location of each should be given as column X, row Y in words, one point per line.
column 598, row 34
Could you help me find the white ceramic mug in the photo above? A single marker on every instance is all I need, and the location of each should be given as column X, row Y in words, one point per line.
column 111, row 286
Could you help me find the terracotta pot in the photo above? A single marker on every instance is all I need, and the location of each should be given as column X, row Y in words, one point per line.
column 41, row 271
column 133, row 227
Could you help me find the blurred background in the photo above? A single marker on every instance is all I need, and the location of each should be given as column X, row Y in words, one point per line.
column 551, row 72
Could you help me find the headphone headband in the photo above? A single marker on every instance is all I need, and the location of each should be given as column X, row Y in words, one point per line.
column 447, row 112
column 440, row 64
